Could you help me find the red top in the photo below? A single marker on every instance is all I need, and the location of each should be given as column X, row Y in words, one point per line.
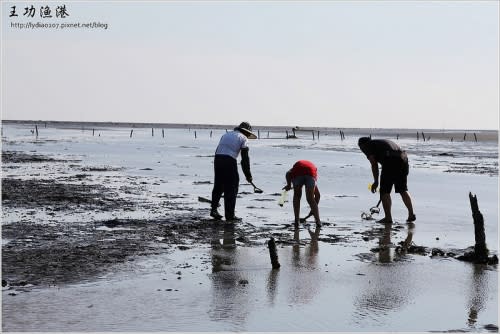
column 304, row 167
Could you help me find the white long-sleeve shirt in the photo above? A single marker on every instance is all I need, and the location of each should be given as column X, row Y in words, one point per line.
column 231, row 144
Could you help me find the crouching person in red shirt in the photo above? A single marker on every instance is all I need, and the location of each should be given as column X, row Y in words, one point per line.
column 304, row 173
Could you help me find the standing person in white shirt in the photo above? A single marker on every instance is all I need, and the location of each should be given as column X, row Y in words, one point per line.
column 226, row 179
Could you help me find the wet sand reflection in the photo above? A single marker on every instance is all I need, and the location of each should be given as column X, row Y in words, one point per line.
column 305, row 282
column 390, row 284
column 478, row 293
column 230, row 299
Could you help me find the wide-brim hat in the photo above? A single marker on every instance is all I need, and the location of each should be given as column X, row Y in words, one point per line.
column 246, row 129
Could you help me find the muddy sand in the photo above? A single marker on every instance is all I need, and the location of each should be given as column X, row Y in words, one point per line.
column 80, row 222
column 43, row 253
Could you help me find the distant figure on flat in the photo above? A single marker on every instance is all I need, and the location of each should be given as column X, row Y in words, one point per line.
column 304, row 173
column 395, row 170
column 226, row 177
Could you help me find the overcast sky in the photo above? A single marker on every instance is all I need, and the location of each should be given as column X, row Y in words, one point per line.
column 328, row 63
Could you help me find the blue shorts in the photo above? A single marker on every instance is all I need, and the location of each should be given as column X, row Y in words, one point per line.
column 306, row 180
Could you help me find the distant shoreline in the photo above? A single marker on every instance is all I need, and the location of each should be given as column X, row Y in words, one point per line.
column 457, row 134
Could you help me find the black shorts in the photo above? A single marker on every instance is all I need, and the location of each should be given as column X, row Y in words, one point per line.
column 394, row 172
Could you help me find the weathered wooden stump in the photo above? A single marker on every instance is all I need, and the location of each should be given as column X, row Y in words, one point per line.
column 480, row 252
column 273, row 253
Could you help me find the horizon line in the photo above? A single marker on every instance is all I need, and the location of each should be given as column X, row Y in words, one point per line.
column 222, row 126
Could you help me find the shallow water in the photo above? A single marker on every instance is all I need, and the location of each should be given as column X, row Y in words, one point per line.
column 322, row 285
column 323, row 291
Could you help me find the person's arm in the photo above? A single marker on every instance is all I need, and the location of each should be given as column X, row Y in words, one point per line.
column 245, row 164
column 317, row 195
column 374, row 164
column 288, row 178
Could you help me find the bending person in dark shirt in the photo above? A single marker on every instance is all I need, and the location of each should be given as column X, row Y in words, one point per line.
column 395, row 170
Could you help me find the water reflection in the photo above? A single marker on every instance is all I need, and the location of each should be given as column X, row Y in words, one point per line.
column 402, row 250
column 309, row 260
column 478, row 293
column 390, row 285
column 305, row 278
column 384, row 255
column 314, row 246
column 272, row 285
column 230, row 297
column 387, row 253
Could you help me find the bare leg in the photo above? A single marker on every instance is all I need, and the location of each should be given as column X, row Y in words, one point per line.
column 317, row 195
column 310, row 196
column 297, row 194
column 387, row 204
column 405, row 196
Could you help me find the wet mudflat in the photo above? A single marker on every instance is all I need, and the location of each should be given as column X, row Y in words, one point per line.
column 109, row 242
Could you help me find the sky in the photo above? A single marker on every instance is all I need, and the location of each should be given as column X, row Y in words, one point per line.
column 361, row 64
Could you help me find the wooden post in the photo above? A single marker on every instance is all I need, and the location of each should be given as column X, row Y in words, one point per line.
column 36, row 130
column 258, row 134
column 210, row 133
column 423, row 136
column 318, row 134
column 480, row 250
column 313, row 134
column 273, row 253
column 475, row 137
column 465, row 135
column 152, row 132
column 163, row 133
column 286, row 134
column 131, row 131
column 93, row 130
column 418, row 136
column 195, row 135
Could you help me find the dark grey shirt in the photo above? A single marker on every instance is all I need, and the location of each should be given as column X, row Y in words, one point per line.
column 382, row 149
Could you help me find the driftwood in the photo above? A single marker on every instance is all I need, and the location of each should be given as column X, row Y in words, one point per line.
column 273, row 253
column 480, row 252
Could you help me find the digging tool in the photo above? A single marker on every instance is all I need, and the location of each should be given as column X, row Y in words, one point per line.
column 206, row 200
column 256, row 189
column 303, row 220
column 373, row 210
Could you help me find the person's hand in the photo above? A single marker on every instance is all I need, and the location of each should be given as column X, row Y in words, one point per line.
column 287, row 187
column 374, row 186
